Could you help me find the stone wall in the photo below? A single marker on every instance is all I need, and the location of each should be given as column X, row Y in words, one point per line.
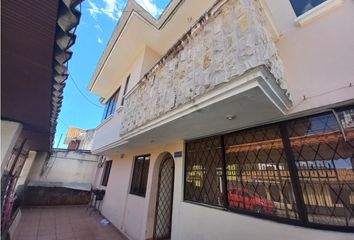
column 226, row 42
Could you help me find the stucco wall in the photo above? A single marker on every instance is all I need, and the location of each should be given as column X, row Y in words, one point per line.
column 64, row 167
column 134, row 215
column 9, row 134
column 227, row 43
column 197, row 222
column 26, row 168
column 317, row 57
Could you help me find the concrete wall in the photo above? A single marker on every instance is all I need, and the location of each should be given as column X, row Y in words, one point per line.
column 132, row 214
column 26, row 168
column 108, row 131
column 317, row 57
column 10, row 131
column 64, row 167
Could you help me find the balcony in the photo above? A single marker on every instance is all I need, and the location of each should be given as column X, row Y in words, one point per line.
column 228, row 58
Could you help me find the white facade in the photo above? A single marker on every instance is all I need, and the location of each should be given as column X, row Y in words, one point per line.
column 284, row 67
column 64, row 168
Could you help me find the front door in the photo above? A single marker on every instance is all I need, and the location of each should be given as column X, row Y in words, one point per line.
column 163, row 217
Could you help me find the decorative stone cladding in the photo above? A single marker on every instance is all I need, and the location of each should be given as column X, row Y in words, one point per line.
column 228, row 40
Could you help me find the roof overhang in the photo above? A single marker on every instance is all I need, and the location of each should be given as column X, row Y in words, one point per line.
column 137, row 29
column 36, row 37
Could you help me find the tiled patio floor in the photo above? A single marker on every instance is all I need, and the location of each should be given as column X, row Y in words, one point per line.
column 63, row 223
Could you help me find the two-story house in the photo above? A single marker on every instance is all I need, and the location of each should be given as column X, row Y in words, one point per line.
column 229, row 119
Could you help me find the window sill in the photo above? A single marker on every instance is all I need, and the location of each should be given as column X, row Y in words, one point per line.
column 318, row 11
column 104, row 122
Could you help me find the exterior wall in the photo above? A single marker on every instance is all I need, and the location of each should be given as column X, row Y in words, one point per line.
column 10, row 131
column 228, row 42
column 317, row 57
column 317, row 60
column 26, row 168
column 132, row 214
column 197, row 222
column 86, row 140
column 108, row 131
column 64, row 167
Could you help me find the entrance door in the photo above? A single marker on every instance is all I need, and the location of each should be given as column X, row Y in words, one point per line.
column 163, row 217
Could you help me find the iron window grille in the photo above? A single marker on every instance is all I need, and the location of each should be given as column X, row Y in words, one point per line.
column 110, row 106
column 140, row 175
column 107, row 171
column 300, row 171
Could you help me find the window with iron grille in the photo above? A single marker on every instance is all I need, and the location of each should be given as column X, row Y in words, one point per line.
column 140, row 175
column 324, row 162
column 204, row 172
column 257, row 173
column 107, row 171
column 110, row 106
column 299, row 171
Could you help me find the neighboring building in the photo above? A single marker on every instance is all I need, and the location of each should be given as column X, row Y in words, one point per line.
column 79, row 139
column 35, row 47
column 229, row 119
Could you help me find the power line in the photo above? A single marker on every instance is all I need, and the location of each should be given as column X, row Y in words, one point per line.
column 67, row 125
column 77, row 87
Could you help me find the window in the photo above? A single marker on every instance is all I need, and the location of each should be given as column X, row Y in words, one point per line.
column 324, row 164
column 107, row 170
column 257, row 169
column 125, row 89
column 140, row 175
column 302, row 6
column 300, row 171
column 204, row 172
column 110, row 106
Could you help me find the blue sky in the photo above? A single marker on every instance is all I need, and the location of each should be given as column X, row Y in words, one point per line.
column 98, row 19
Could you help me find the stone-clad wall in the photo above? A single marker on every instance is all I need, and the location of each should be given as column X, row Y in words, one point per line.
column 225, row 43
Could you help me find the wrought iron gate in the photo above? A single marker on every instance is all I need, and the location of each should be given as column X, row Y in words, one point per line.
column 163, row 217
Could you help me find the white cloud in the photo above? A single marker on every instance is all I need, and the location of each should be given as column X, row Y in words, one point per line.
column 113, row 8
column 110, row 8
column 99, row 40
column 98, row 28
column 93, row 9
column 149, row 6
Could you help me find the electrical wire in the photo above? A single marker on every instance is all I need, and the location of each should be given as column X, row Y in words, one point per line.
column 71, row 77
column 78, row 89
column 64, row 123
column 306, row 98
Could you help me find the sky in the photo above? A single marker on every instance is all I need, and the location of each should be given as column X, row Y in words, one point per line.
column 99, row 17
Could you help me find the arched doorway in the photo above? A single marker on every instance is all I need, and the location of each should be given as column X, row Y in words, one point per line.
column 164, row 199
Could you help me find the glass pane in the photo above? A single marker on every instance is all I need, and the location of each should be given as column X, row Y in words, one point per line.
column 105, row 112
column 257, row 173
column 302, row 6
column 325, row 168
column 144, row 176
column 138, row 169
column 204, row 172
